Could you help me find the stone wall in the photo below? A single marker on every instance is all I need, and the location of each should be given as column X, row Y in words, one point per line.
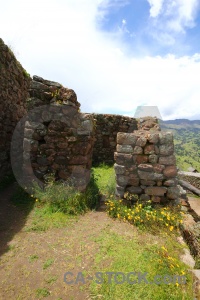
column 145, row 165
column 192, row 178
column 58, row 137
column 106, row 128
column 14, row 84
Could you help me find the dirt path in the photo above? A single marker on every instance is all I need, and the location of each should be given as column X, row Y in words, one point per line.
column 31, row 260
column 33, row 264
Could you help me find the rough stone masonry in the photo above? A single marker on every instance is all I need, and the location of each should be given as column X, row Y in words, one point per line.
column 58, row 137
column 145, row 163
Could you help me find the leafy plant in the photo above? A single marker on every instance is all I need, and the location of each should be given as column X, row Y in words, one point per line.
column 146, row 216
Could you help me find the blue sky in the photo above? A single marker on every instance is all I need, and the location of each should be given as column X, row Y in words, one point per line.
column 116, row 55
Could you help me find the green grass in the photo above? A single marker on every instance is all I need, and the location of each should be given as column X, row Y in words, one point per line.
column 51, row 279
column 33, row 257
column 48, row 263
column 133, row 255
column 64, row 197
column 105, row 178
column 42, row 292
column 58, row 205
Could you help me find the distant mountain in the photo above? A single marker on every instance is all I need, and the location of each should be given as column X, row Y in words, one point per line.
column 186, row 140
column 180, row 123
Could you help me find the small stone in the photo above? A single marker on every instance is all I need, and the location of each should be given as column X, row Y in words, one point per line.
column 149, row 149
column 146, row 175
column 134, row 190
column 153, row 138
column 155, row 191
column 173, row 192
column 124, row 149
column 123, row 159
column 170, row 182
column 153, row 158
column 119, row 169
column 137, row 150
column 141, row 159
column 166, row 149
column 148, row 182
column 170, row 171
column 156, row 199
column 126, row 138
column 122, row 180
column 166, row 138
column 167, row 160
column 145, row 167
column 144, row 197
column 141, row 141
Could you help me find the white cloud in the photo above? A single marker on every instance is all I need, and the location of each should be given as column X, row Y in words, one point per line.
column 174, row 15
column 59, row 40
column 156, row 6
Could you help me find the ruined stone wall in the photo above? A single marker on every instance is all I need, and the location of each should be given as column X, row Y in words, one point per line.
column 146, row 165
column 106, row 128
column 59, row 138
column 14, row 84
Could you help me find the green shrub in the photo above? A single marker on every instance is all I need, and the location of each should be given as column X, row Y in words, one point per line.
column 64, row 197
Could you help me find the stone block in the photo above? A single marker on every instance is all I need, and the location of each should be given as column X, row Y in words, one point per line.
column 134, row 190
column 167, row 160
column 123, row 159
column 145, row 167
column 170, row 171
column 158, row 168
column 79, row 160
column 155, row 191
column 119, row 193
column 61, row 160
column 153, row 158
column 137, row 150
column 166, row 149
column 158, row 177
column 126, row 138
column 166, row 138
column 119, row 170
column 144, row 197
column 124, row 149
column 140, row 159
column 147, row 182
column 156, row 199
column 27, row 145
column 173, row 192
column 141, row 141
column 146, row 175
column 149, row 149
column 170, row 182
column 153, row 138
column 42, row 161
column 28, row 133
column 134, row 181
column 122, row 180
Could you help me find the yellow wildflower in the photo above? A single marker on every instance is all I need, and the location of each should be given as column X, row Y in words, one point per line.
column 163, row 248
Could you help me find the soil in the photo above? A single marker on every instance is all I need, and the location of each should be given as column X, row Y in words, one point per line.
column 69, row 249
